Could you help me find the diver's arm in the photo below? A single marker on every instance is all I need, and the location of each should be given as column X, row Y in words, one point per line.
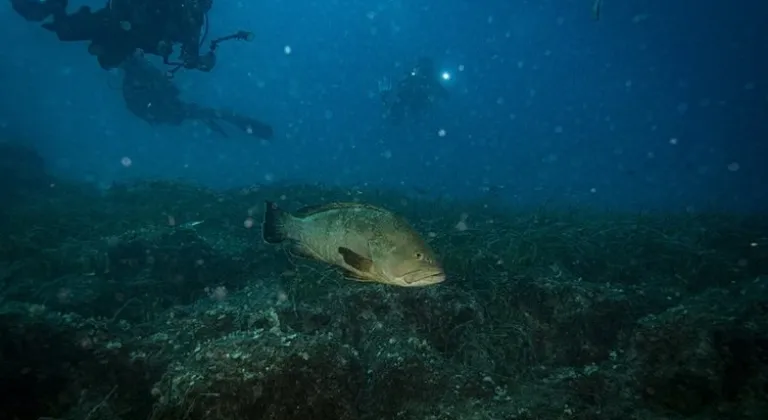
column 190, row 50
column 190, row 55
column 204, row 62
column 190, row 47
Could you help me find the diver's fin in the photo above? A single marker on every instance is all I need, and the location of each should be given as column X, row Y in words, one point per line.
column 597, row 7
column 251, row 126
column 355, row 260
column 215, row 127
column 273, row 226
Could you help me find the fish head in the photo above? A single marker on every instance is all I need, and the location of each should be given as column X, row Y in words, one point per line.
column 412, row 266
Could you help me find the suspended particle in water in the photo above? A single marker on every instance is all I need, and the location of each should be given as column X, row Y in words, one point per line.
column 248, row 223
column 462, row 225
column 218, row 293
column 441, row 132
column 287, row 50
column 85, row 343
column 126, row 161
column 673, row 141
column 282, row 296
column 64, row 295
column 734, row 166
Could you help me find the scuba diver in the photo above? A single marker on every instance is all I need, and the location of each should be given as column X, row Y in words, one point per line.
column 414, row 94
column 120, row 28
column 151, row 96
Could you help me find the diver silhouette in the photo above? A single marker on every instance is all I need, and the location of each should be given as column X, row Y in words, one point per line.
column 151, row 95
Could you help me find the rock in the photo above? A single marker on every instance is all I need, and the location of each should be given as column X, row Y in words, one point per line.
column 710, row 353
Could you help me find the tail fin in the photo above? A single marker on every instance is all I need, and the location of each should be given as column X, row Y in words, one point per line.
column 273, row 227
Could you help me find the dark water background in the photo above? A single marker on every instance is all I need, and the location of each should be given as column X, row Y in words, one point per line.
column 659, row 105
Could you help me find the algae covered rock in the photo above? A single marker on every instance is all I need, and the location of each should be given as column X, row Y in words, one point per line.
column 50, row 362
column 264, row 374
column 159, row 301
column 708, row 353
column 22, row 170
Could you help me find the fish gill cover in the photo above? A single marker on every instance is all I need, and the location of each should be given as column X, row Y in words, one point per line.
column 160, row 301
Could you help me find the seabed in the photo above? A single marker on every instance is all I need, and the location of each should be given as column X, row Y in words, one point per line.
column 121, row 305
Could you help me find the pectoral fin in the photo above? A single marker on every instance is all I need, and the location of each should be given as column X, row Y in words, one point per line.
column 356, row 261
column 355, row 276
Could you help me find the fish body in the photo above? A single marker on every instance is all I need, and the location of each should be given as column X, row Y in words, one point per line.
column 368, row 243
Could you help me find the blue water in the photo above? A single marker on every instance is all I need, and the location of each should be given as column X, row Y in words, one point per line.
column 656, row 106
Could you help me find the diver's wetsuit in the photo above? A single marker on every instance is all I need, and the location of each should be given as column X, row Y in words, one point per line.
column 123, row 26
column 151, row 96
column 38, row 11
column 414, row 94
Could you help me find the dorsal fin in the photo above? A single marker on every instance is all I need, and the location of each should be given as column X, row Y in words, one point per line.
column 315, row 209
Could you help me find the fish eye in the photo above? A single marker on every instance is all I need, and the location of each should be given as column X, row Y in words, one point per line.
column 419, row 256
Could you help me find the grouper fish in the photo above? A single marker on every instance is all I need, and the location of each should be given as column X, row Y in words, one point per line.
column 368, row 243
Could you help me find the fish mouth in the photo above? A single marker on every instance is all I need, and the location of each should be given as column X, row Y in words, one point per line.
column 427, row 279
column 435, row 278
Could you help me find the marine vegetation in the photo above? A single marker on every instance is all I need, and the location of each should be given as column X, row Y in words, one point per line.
column 161, row 301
